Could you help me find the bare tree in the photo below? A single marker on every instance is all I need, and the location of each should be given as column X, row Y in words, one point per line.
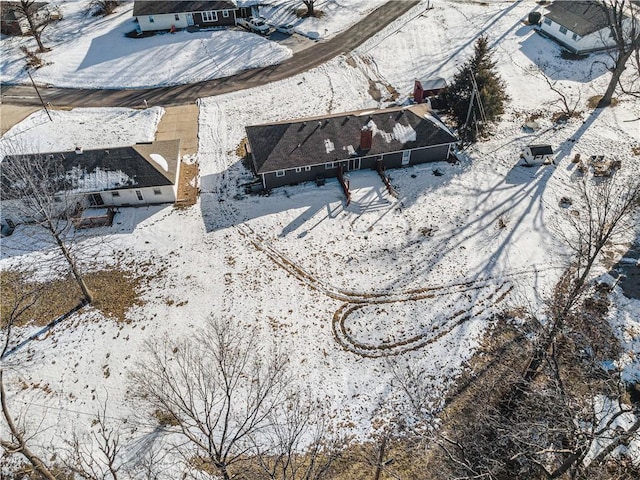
column 605, row 206
column 299, row 445
column 17, row 443
column 217, row 390
column 568, row 105
column 104, row 7
column 623, row 18
column 103, row 462
column 37, row 18
column 310, row 4
column 17, row 298
column 38, row 187
column 545, row 422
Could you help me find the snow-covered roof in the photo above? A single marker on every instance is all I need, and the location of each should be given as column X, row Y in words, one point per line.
column 305, row 141
column 114, row 168
column 581, row 17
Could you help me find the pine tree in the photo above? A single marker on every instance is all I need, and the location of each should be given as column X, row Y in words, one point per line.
column 491, row 88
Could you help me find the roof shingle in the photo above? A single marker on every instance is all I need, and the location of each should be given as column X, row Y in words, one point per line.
column 317, row 140
column 160, row 7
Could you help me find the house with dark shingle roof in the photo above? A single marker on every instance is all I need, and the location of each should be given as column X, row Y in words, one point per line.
column 302, row 150
column 580, row 26
column 169, row 15
column 141, row 174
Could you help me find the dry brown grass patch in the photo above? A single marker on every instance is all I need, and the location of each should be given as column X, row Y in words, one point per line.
column 115, row 292
column 188, row 184
column 592, row 102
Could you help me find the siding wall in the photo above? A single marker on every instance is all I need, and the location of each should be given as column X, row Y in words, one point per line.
column 390, row 160
column 129, row 197
column 162, row 22
column 594, row 41
column 167, row 20
column 12, row 208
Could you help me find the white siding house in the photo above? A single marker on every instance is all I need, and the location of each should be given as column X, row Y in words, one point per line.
column 169, row 15
column 580, row 26
column 143, row 174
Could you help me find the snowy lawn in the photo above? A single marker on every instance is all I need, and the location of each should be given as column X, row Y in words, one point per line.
column 93, row 52
column 415, row 277
column 67, row 129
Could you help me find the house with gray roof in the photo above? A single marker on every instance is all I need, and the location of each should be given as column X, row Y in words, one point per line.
column 171, row 15
column 141, row 174
column 580, row 26
column 305, row 149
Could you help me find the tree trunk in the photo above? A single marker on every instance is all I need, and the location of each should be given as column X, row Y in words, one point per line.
column 310, row 10
column 615, row 78
column 74, row 269
column 21, row 446
column 33, row 28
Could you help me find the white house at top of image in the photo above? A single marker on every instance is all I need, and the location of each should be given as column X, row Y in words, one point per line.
column 580, row 26
column 170, row 15
column 142, row 174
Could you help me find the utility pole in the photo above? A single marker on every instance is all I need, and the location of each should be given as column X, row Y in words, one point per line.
column 39, row 96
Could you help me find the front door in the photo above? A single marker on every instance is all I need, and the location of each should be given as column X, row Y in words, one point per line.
column 406, row 157
column 139, row 195
column 189, row 18
column 354, row 164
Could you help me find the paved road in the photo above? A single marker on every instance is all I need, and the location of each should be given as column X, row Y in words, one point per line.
column 184, row 94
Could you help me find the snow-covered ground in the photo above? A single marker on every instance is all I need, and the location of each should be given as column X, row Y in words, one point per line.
column 296, row 262
column 68, row 129
column 93, row 52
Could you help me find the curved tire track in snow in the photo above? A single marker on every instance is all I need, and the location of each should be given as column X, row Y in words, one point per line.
column 491, row 294
column 344, row 337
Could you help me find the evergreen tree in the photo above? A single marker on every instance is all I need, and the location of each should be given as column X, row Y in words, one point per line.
column 487, row 109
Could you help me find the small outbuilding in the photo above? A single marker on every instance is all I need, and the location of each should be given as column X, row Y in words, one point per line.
column 537, row 154
column 431, row 87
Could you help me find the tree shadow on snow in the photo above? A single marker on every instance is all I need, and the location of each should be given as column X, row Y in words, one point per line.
column 546, row 54
column 28, row 239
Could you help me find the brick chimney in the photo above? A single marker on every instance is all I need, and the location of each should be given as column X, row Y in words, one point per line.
column 366, row 138
column 418, row 92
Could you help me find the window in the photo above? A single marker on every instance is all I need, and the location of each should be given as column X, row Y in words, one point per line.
column 563, row 30
column 575, row 36
column 157, row 191
column 547, row 21
column 139, row 195
column 225, row 13
column 209, row 16
column 307, row 169
column 177, row 17
column 151, row 19
column 329, row 165
column 115, row 194
column 280, row 173
column 298, row 169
